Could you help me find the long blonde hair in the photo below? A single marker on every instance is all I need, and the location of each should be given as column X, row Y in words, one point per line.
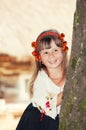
column 45, row 42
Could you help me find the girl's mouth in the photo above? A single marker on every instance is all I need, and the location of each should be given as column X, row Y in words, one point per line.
column 52, row 61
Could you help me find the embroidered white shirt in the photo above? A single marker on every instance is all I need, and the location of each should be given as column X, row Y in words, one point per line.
column 45, row 95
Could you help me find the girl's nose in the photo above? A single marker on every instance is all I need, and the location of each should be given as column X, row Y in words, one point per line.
column 51, row 54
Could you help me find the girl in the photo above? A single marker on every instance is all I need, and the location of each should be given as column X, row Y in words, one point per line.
column 47, row 83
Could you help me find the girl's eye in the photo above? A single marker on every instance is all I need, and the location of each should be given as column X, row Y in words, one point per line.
column 45, row 52
column 55, row 50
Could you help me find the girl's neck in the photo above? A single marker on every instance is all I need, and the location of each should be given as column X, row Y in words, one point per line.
column 57, row 76
column 55, row 72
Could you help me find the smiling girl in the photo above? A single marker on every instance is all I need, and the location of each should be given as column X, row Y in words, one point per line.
column 47, row 83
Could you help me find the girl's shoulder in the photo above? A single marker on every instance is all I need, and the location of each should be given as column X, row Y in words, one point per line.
column 41, row 79
column 42, row 74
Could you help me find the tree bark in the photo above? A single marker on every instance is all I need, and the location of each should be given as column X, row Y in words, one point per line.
column 73, row 110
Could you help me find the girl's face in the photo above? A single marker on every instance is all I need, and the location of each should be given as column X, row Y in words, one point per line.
column 53, row 57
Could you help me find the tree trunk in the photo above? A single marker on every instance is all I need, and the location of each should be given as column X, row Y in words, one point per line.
column 73, row 110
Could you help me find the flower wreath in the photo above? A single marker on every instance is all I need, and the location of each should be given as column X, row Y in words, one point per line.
column 60, row 36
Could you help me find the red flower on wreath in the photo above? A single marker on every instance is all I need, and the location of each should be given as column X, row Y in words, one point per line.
column 34, row 44
column 64, row 46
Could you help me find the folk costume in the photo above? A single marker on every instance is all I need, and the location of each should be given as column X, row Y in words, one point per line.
column 42, row 113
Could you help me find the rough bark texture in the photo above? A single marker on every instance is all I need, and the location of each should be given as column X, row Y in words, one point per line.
column 73, row 111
